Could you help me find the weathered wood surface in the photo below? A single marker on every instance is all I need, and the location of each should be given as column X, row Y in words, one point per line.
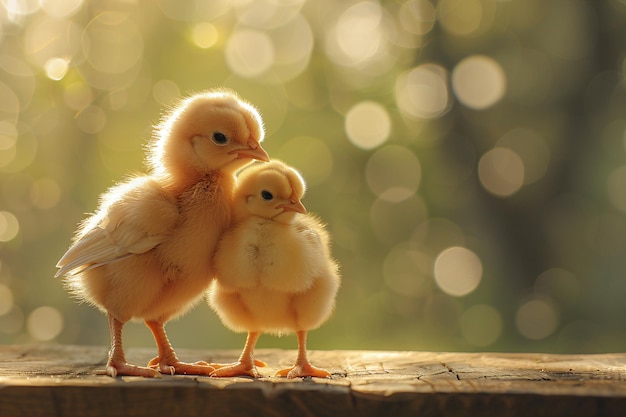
column 54, row 380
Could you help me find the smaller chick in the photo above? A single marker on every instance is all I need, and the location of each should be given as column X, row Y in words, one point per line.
column 274, row 270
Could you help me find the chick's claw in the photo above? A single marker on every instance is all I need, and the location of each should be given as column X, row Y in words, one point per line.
column 260, row 364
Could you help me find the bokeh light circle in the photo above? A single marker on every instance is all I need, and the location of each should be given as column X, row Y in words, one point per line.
column 536, row 319
column 458, row 271
column 478, row 82
column 368, row 125
column 357, row 36
column 204, row 35
column 501, row 172
column 56, row 68
column 44, row 323
column 249, row 52
column 9, row 226
column 422, row 92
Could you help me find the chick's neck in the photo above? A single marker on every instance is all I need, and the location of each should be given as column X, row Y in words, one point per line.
column 178, row 185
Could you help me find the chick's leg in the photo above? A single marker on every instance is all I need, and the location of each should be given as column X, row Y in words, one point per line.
column 117, row 365
column 167, row 361
column 303, row 367
column 246, row 365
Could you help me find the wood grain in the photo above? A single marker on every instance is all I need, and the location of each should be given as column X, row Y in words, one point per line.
column 52, row 380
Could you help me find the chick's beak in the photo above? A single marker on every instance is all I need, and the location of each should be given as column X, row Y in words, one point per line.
column 253, row 150
column 294, row 205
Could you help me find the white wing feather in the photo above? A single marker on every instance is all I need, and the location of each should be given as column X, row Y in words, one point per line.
column 134, row 218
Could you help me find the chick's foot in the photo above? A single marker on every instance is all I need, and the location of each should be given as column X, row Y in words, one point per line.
column 240, row 368
column 302, row 370
column 167, row 361
column 117, row 368
column 174, row 366
column 116, row 364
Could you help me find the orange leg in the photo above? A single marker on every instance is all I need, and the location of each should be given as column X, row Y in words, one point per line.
column 117, row 365
column 167, row 361
column 246, row 365
column 303, row 367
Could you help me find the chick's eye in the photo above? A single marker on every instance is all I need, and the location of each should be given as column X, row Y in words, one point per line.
column 219, row 138
column 266, row 195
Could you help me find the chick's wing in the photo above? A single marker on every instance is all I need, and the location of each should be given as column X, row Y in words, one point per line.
column 133, row 218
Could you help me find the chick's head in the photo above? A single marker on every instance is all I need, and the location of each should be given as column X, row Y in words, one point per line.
column 272, row 191
column 209, row 131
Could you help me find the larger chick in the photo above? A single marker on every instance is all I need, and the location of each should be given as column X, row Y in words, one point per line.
column 143, row 254
column 274, row 269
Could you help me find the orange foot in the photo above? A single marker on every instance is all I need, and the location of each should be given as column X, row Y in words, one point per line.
column 303, row 370
column 175, row 366
column 115, row 368
column 257, row 363
column 237, row 369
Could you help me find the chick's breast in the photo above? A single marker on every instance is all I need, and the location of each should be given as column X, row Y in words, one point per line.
column 262, row 253
column 273, row 277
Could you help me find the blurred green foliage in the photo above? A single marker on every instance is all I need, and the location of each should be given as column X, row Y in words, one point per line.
column 469, row 157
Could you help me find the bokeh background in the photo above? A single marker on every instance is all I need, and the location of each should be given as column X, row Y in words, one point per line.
column 469, row 157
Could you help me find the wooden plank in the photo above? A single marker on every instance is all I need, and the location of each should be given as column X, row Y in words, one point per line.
column 52, row 380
